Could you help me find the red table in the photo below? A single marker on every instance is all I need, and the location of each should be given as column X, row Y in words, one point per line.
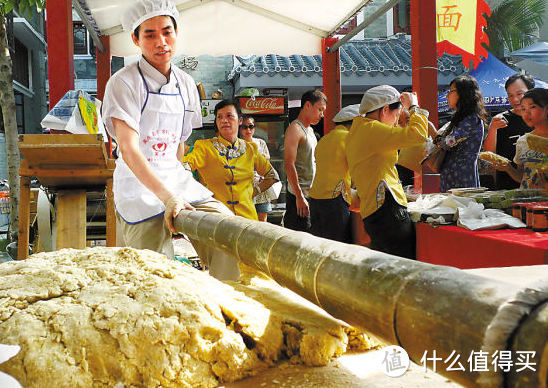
column 461, row 248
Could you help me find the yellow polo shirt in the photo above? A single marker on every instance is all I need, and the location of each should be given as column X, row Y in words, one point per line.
column 332, row 176
column 372, row 153
column 228, row 171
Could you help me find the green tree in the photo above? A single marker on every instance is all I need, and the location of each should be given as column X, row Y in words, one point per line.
column 7, row 101
column 514, row 24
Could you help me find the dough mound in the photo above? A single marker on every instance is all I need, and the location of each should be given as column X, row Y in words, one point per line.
column 103, row 316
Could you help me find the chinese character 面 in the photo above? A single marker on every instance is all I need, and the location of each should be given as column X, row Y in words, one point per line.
column 449, row 20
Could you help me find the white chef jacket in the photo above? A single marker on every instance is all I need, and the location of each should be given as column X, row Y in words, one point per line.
column 129, row 95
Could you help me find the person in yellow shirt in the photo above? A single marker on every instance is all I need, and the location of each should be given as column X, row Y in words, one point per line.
column 227, row 164
column 372, row 148
column 330, row 194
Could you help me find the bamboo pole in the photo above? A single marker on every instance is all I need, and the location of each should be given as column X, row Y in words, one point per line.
column 418, row 306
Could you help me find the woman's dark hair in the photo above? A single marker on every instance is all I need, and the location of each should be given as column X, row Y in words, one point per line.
column 224, row 103
column 470, row 100
column 538, row 95
column 244, row 119
column 395, row 105
column 248, row 117
column 136, row 31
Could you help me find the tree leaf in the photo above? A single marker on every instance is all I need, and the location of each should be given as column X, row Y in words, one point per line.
column 514, row 24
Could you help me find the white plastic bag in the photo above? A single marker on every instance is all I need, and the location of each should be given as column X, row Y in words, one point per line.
column 273, row 192
column 66, row 115
column 475, row 217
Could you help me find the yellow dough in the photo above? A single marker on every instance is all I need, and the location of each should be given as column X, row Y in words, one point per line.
column 105, row 316
column 491, row 157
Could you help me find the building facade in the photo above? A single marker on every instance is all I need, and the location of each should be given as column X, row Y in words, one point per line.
column 28, row 52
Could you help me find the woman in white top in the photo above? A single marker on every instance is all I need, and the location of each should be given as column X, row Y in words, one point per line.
column 261, row 200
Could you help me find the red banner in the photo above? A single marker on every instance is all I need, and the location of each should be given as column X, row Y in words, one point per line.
column 262, row 105
column 461, row 29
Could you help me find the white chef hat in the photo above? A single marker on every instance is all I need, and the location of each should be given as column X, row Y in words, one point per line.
column 377, row 97
column 145, row 9
column 349, row 112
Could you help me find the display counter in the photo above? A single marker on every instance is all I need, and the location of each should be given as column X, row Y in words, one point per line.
column 461, row 248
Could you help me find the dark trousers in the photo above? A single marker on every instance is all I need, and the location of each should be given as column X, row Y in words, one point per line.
column 291, row 217
column 330, row 218
column 391, row 229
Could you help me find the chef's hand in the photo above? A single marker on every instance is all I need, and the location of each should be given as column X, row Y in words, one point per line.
column 173, row 206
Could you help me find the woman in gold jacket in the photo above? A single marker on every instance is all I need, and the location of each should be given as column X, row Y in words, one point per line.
column 226, row 164
column 372, row 148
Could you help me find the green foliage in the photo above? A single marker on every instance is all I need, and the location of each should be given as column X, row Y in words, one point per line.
column 22, row 6
column 514, row 24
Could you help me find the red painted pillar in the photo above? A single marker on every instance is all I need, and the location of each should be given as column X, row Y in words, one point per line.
column 60, row 49
column 331, row 83
column 425, row 74
column 103, row 75
column 103, row 66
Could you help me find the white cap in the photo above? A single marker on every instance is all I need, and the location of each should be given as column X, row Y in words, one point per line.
column 146, row 9
column 377, row 97
column 347, row 113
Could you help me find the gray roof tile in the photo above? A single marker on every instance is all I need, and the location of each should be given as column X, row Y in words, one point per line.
column 363, row 57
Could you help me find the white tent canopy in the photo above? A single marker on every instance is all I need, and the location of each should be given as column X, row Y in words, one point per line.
column 237, row 27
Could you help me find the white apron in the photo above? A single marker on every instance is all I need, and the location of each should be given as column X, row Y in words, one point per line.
column 161, row 130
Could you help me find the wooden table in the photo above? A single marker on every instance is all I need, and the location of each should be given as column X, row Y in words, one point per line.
column 71, row 165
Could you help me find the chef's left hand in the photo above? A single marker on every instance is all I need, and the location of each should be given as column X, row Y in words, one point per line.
column 173, row 206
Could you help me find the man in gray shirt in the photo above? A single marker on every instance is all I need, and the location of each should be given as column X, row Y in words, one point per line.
column 300, row 166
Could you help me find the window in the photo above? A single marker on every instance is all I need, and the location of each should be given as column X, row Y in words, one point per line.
column 20, row 111
column 83, row 44
column 20, row 65
column 401, row 17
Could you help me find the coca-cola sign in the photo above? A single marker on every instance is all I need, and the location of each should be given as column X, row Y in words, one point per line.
column 262, row 105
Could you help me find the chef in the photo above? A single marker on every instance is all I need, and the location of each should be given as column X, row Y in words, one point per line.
column 150, row 108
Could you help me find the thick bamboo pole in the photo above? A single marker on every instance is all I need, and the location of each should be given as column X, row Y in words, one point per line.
column 418, row 306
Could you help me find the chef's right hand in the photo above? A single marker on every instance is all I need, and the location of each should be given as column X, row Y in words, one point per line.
column 498, row 122
column 173, row 206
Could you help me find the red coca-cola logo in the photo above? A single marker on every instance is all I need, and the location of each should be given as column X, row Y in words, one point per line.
column 159, row 147
column 261, row 103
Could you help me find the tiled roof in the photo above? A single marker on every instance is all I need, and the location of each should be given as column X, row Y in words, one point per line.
column 364, row 57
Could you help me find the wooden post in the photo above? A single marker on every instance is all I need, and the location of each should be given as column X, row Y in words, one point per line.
column 331, row 83
column 103, row 67
column 103, row 74
column 71, row 219
column 111, row 216
column 60, row 49
column 24, row 219
column 425, row 72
